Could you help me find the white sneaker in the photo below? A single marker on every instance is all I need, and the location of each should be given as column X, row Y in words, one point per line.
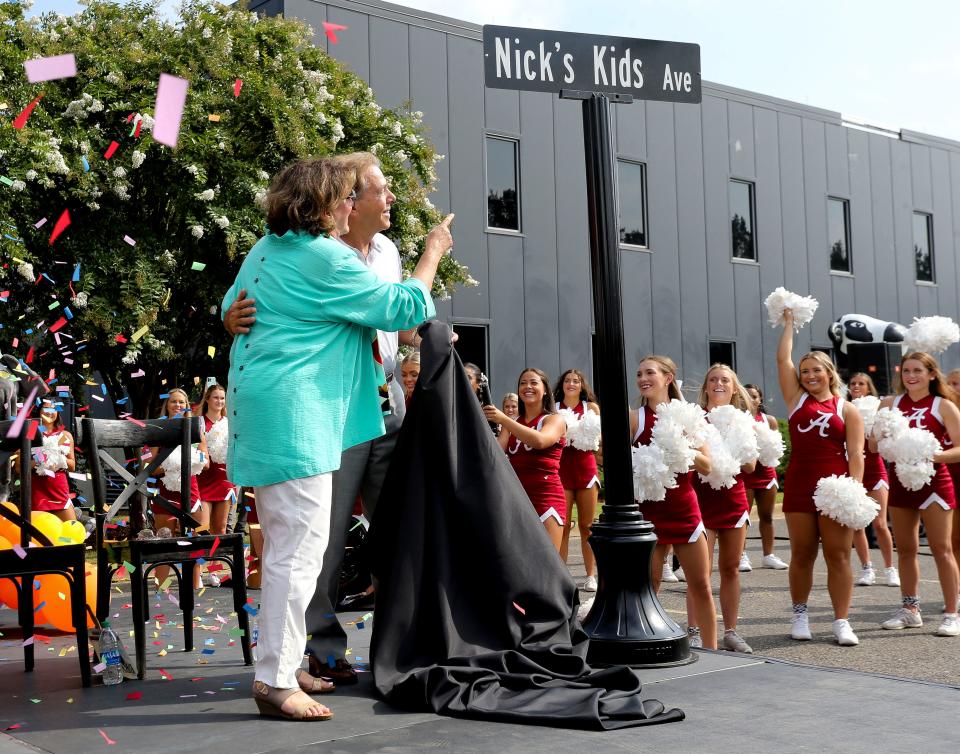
column 679, row 574
column 901, row 619
column 801, row 627
column 868, row 576
column 213, row 579
column 735, row 643
column 590, row 585
column 949, row 626
column 745, row 566
column 668, row 573
column 844, row 633
column 693, row 636
column 892, row 576
column 772, row 561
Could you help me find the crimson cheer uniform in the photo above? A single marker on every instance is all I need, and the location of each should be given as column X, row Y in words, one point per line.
column 818, row 449
column 726, row 508
column 676, row 518
column 578, row 468
column 539, row 473
column 762, row 477
column 212, row 483
column 874, row 471
column 924, row 414
column 50, row 493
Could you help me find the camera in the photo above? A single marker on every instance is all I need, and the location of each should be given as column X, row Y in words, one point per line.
column 483, row 393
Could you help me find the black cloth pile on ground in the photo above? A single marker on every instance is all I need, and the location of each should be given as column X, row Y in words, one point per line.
column 476, row 613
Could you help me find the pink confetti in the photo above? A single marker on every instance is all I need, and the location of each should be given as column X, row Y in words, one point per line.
column 48, row 69
column 331, row 31
column 519, row 609
column 129, row 240
column 111, row 150
column 39, row 223
column 237, row 86
column 27, row 642
column 21, row 553
column 22, row 416
column 168, row 112
column 110, row 741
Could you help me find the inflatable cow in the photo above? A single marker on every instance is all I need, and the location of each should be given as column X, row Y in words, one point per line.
column 859, row 328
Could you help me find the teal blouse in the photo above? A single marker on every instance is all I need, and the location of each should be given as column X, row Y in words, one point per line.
column 303, row 382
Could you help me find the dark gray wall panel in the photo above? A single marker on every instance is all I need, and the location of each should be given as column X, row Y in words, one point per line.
column 740, row 140
column 429, row 79
column 903, row 229
column 352, row 50
column 636, row 286
column 750, row 319
column 716, row 176
column 695, row 290
column 946, row 260
column 843, row 300
column 884, row 243
column 793, row 213
column 838, row 164
column 501, row 108
column 508, row 331
column 631, row 130
column 389, row 62
column 865, row 270
column 540, row 231
column 815, row 206
column 665, row 264
column 920, row 177
column 306, row 10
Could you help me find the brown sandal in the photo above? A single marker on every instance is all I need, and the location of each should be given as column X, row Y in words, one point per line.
column 270, row 700
column 312, row 685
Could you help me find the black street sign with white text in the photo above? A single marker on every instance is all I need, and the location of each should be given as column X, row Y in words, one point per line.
column 548, row 61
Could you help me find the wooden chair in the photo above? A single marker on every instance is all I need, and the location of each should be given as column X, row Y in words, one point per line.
column 67, row 560
column 144, row 555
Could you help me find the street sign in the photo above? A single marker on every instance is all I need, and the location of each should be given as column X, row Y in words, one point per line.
column 548, row 61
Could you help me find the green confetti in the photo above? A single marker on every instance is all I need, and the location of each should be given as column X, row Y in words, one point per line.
column 129, row 566
column 5, row 181
column 198, row 266
column 235, row 632
column 54, row 305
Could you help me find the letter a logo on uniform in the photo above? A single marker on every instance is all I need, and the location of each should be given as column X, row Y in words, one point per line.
column 916, row 418
column 823, row 423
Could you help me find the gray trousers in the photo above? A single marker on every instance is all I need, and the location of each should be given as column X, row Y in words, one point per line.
column 362, row 471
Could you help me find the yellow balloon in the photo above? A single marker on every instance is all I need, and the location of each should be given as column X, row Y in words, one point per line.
column 48, row 524
column 73, row 531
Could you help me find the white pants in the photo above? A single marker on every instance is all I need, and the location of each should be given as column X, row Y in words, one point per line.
column 295, row 518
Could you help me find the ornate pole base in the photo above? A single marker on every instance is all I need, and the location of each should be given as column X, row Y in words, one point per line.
column 627, row 625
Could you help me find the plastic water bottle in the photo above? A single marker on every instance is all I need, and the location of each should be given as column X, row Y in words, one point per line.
column 110, row 655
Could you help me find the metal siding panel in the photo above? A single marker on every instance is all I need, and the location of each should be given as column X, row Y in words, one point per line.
column 428, row 93
column 815, row 202
column 501, row 108
column 540, row 231
column 691, row 238
column 466, row 171
column 792, row 208
column 757, row 361
column 636, row 286
column 740, row 139
column 862, row 254
column 943, row 249
column 920, row 177
column 884, row 243
column 907, row 298
column 665, row 265
column 389, row 62
column 355, row 54
column 313, row 13
column 750, row 320
column 716, row 175
column 843, row 297
column 631, row 129
column 507, row 330
column 838, row 166
column 573, row 243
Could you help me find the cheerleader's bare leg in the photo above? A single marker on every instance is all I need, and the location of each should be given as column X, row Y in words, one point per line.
column 837, row 540
column 938, row 524
column 880, row 528
column 766, row 501
column 732, row 542
column 565, row 542
column 906, row 526
column 695, row 560
column 554, row 531
column 586, row 501
column 804, row 547
column 656, row 569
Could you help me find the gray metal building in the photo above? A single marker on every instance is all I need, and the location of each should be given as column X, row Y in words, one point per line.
column 722, row 202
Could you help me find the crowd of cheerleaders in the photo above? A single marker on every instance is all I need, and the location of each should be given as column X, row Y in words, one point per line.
column 827, row 438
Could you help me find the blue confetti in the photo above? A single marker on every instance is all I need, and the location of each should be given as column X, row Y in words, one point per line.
column 86, row 165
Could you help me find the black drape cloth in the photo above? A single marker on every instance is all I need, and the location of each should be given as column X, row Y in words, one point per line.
column 476, row 613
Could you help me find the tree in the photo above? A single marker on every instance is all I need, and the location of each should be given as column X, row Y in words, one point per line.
column 157, row 234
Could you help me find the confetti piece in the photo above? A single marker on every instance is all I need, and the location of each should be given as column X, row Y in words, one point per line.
column 86, row 165
column 237, row 86
column 48, row 69
column 99, row 668
column 129, row 240
column 331, row 31
column 58, row 324
column 21, row 553
column 214, row 546
column 110, row 741
column 39, row 223
column 24, row 412
column 21, row 120
column 111, row 150
column 250, row 609
column 519, row 609
column 27, row 642
column 213, row 118
column 171, row 97
column 134, row 696
column 76, row 271
column 130, row 567
column 139, row 333
column 6, row 182
column 198, row 266
column 61, row 225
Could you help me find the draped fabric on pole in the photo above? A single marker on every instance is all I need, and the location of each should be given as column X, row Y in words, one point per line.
column 476, row 613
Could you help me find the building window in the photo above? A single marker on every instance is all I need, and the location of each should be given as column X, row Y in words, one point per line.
column 741, row 220
column 503, row 180
column 471, row 345
column 923, row 246
column 723, row 352
column 632, row 191
column 838, row 228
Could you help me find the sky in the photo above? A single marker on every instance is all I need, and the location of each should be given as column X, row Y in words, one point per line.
column 889, row 63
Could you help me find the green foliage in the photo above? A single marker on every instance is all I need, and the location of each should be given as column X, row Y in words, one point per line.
column 784, row 427
column 187, row 207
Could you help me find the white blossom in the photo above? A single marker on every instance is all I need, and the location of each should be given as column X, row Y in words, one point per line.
column 57, row 163
column 31, row 175
column 168, row 259
column 84, row 147
column 18, row 185
column 138, row 158
column 376, row 148
column 401, row 156
column 207, row 32
column 206, row 195
column 193, row 169
column 418, row 115
column 323, row 94
column 131, row 356
column 93, row 205
column 337, row 131
column 26, row 271
column 221, row 222
column 122, row 191
column 147, row 122
column 112, row 77
column 260, row 195
column 412, row 139
column 397, row 128
column 95, row 107
column 80, row 300
column 263, row 175
column 119, row 172
column 197, row 231
column 321, row 118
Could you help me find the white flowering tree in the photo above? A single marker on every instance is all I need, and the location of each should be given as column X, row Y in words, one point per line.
column 158, row 233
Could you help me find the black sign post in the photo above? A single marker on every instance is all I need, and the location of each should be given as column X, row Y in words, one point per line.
column 627, row 624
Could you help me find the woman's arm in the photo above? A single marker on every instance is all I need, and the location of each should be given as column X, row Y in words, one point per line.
column 553, row 428
column 951, row 420
column 789, row 382
column 853, row 423
column 203, row 449
column 871, row 441
column 748, row 468
column 701, row 463
column 67, row 439
column 504, row 438
column 773, row 423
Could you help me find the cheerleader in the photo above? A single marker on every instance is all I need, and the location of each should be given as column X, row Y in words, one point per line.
column 511, row 405
column 217, row 494
column 926, row 399
column 726, row 512
column 49, row 490
column 761, row 485
column 677, row 518
column 875, row 480
column 534, row 443
column 578, row 471
column 826, row 437
column 953, row 379
column 409, row 374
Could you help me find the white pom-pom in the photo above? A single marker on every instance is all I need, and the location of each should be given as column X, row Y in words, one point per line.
column 50, row 459
column 915, row 476
column 172, row 471
column 217, row 440
column 736, row 427
column 803, row 307
column 867, row 405
column 674, row 445
column 912, row 453
column 931, row 334
column 584, row 432
column 689, row 416
column 769, row 443
column 889, row 423
column 723, row 466
column 845, row 501
column 570, row 417
column 651, row 476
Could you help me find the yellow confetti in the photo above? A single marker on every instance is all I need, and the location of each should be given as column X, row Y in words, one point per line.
column 211, row 351
column 162, row 653
column 214, row 117
column 139, row 333
column 63, row 652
